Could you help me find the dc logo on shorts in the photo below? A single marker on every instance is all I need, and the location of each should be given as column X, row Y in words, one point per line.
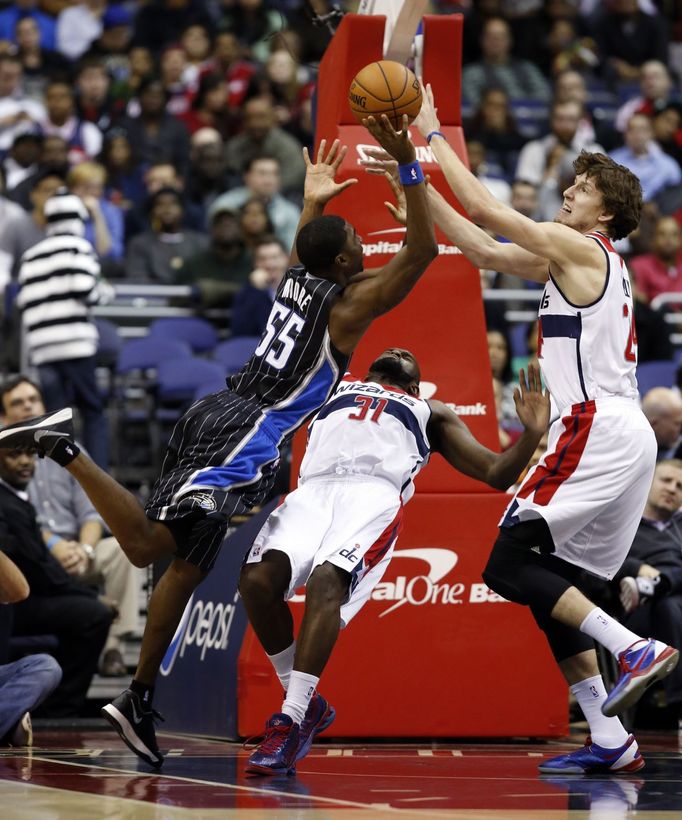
column 350, row 553
column 205, row 501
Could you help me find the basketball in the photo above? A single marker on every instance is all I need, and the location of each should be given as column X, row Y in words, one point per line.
column 385, row 87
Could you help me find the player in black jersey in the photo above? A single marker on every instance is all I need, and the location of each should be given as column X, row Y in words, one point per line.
column 224, row 451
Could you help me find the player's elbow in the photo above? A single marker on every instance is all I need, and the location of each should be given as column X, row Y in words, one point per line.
column 498, row 480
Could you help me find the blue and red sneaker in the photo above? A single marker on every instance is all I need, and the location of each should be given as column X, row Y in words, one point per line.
column 276, row 753
column 318, row 717
column 593, row 759
column 641, row 665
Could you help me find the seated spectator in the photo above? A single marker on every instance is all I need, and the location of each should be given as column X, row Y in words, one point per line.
column 104, row 227
column 57, row 604
column 160, row 254
column 494, row 126
column 653, row 332
column 656, row 91
column 22, row 160
column 262, row 180
column 207, row 177
column 520, row 79
column 499, row 188
column 227, row 60
column 73, row 531
column 661, row 270
column 667, row 125
column 254, row 222
column 78, row 26
column 26, row 683
column 125, row 179
column 126, row 86
column 499, row 352
column 38, row 63
column 663, row 408
column 18, row 111
column 254, row 25
column 645, row 158
column 113, row 43
column 172, row 65
column 84, row 138
column 252, row 304
column 280, row 81
column 261, row 135
column 156, row 135
column 195, row 41
column 209, row 106
column 223, row 267
column 568, row 50
column 28, row 8
column 594, row 126
column 94, row 101
column 650, row 580
column 539, row 158
column 158, row 22
column 54, row 159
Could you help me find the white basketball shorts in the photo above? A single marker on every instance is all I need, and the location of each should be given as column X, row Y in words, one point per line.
column 353, row 523
column 592, row 483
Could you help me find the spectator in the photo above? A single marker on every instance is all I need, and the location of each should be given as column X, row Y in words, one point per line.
column 262, row 180
column 196, row 43
column 57, row 604
column 280, row 81
column 568, row 50
column 114, row 42
column 59, row 280
column 663, row 407
column 104, row 226
column 594, row 126
column 160, row 254
column 18, row 112
column 125, row 180
column 667, row 125
column 78, row 26
column 254, row 24
column 254, row 222
column 94, row 101
column 156, row 135
column 494, row 126
column 645, row 158
column 28, row 8
column 84, row 138
column 261, row 135
column 54, row 159
column 524, row 198
column 653, row 333
column 158, row 22
column 223, row 268
column 499, row 188
column 140, row 65
column 209, row 106
column 227, row 61
column 172, row 65
column 520, row 79
column 73, row 531
column 252, row 305
column 661, row 270
column 656, row 87
column 159, row 175
column 539, row 158
column 650, row 579
column 499, row 352
column 26, row 683
column 38, row 63
column 207, row 175
column 627, row 38
column 22, row 160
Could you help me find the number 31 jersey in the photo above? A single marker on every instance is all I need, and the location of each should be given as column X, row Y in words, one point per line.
column 295, row 367
column 367, row 429
column 589, row 352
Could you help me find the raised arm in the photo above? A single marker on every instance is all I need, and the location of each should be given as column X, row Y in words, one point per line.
column 450, row 437
column 319, row 186
column 373, row 292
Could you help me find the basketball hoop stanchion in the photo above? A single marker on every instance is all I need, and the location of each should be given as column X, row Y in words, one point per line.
column 433, row 636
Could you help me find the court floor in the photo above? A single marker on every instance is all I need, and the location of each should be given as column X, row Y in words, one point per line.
column 83, row 775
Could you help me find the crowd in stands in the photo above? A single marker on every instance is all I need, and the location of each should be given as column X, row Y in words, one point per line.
column 178, row 126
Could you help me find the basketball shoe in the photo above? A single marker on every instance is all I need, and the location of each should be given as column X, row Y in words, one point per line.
column 41, row 433
column 640, row 665
column 593, row 759
column 276, row 753
column 318, row 717
column 134, row 723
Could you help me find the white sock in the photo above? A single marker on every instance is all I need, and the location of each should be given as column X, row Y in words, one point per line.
column 608, row 632
column 283, row 663
column 300, row 691
column 608, row 732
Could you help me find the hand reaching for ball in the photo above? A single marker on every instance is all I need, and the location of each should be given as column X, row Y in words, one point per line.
column 396, row 143
column 319, row 185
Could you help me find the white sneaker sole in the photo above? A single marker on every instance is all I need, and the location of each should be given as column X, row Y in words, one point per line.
column 56, row 418
column 128, row 735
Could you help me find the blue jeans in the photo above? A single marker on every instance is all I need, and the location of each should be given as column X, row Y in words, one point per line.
column 24, row 685
column 73, row 382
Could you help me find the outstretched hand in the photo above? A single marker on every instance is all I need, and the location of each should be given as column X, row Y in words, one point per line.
column 427, row 119
column 320, row 186
column 532, row 404
column 382, row 164
column 396, row 143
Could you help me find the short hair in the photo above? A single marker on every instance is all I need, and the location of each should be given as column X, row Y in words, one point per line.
column 320, row 241
column 84, row 172
column 11, row 383
column 670, row 462
column 620, row 189
column 270, row 239
column 248, row 165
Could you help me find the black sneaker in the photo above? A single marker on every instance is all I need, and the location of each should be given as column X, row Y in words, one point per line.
column 40, row 434
column 135, row 726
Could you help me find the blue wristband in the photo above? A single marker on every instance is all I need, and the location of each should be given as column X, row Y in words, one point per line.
column 410, row 174
column 52, row 540
column 433, row 134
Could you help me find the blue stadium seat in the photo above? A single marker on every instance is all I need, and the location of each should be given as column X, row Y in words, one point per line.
column 208, row 387
column 235, row 352
column 178, row 379
column 198, row 333
column 655, row 374
column 147, row 353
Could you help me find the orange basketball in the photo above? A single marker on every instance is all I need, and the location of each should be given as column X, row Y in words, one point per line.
column 385, row 87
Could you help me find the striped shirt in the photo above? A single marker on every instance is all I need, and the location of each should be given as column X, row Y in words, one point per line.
column 58, row 281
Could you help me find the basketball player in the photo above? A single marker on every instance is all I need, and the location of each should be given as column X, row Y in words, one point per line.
column 579, row 508
column 223, row 453
column 336, row 532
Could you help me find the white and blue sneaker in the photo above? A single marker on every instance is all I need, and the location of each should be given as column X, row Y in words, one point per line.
column 593, row 759
column 641, row 665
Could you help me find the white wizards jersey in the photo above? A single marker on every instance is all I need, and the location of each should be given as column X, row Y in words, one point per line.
column 367, row 429
column 589, row 352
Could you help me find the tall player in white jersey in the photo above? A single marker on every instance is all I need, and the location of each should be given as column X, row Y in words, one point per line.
column 335, row 533
column 578, row 509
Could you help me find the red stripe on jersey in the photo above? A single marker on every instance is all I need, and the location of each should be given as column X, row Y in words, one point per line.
column 562, row 463
column 606, row 242
column 378, row 549
column 349, row 377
